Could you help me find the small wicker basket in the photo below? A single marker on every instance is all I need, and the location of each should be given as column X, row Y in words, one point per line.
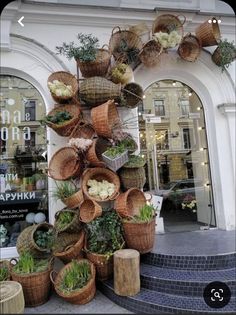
column 74, row 200
column 94, row 153
column 150, row 53
column 132, row 95
column 167, row 23
column 208, row 33
column 132, row 177
column 89, row 210
column 83, row 130
column 73, row 226
column 190, row 48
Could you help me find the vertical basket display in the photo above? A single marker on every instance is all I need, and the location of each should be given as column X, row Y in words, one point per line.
column 190, row 48
column 115, row 163
column 208, row 33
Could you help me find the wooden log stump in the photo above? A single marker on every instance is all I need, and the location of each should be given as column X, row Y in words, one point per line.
column 11, row 298
column 126, row 272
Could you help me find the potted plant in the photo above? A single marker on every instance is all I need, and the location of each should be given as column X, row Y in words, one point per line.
column 4, row 270
column 67, row 220
column 68, row 193
column 91, row 60
column 224, row 54
column 34, row 276
column 115, row 156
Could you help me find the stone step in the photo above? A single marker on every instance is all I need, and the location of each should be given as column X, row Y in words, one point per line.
column 184, row 282
column 153, row 302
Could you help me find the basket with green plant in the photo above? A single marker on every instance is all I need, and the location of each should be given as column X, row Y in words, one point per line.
column 4, row 270
column 68, row 193
column 121, row 73
column 67, row 220
column 224, row 54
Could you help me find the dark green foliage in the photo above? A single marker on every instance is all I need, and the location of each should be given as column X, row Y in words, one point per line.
column 3, row 273
column 129, row 54
column 115, row 151
column 59, row 117
column 44, row 239
column 227, row 53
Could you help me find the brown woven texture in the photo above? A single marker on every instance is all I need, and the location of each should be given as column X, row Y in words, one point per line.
column 25, row 241
column 100, row 174
column 94, row 153
column 97, row 90
column 5, row 264
column 104, row 118
column 140, row 236
column 11, row 298
column 89, row 210
column 132, row 177
column 217, row 58
column 68, row 79
column 167, row 23
column 150, row 53
column 67, row 127
column 98, row 67
column 74, row 200
column 104, row 265
column 80, row 296
column 71, row 251
column 208, row 33
column 131, row 39
column 129, row 203
column 132, row 95
column 190, row 48
column 83, row 130
column 36, row 286
column 65, row 163
column 63, row 240
column 74, row 226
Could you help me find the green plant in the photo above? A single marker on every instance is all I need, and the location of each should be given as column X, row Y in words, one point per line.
column 59, row 117
column 86, row 51
column 64, row 190
column 146, row 214
column 64, row 218
column 129, row 143
column 28, row 264
column 135, row 161
column 227, row 52
column 44, row 239
column 4, row 273
column 115, row 151
column 128, row 54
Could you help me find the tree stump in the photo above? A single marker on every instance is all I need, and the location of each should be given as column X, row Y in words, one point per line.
column 126, row 272
column 11, row 298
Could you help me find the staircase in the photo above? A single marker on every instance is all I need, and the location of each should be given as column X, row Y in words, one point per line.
column 175, row 284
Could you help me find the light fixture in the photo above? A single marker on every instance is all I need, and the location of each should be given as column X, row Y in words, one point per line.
column 219, row 21
column 174, row 83
column 144, row 96
column 198, row 108
column 190, row 93
column 201, row 128
column 141, row 135
column 202, row 149
column 207, row 184
column 140, row 114
column 142, row 155
column 204, row 163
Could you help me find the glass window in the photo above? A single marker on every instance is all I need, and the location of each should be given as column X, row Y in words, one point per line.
column 184, row 107
column 162, row 140
column 159, row 107
column 187, row 138
column 30, row 108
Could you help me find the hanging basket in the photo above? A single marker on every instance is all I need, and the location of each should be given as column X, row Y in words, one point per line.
column 132, row 177
column 150, row 53
column 190, row 48
column 98, row 67
column 208, row 33
column 142, row 30
column 83, row 130
column 65, row 163
column 89, row 210
column 132, row 95
column 117, row 162
column 79, row 296
column 166, row 23
column 100, row 174
column 104, row 118
column 74, row 200
column 122, row 75
column 140, row 236
column 4, row 264
column 73, row 226
column 97, row 90
column 129, row 203
column 217, row 58
column 94, row 153
column 68, row 79
column 67, row 127
column 25, row 241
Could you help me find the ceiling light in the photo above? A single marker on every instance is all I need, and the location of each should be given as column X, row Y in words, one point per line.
column 174, row 83
column 210, row 21
column 219, row 21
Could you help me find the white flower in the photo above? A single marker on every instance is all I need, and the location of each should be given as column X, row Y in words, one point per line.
column 100, row 189
column 80, row 143
column 60, row 89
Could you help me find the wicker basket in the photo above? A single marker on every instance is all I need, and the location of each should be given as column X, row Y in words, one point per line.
column 150, row 53
column 80, row 296
column 98, row 67
column 65, row 163
column 94, row 153
column 74, row 200
column 83, row 130
column 74, row 226
column 132, row 95
column 140, row 236
column 5, row 264
column 97, row 90
column 104, row 118
column 190, row 48
column 71, row 251
column 36, row 286
column 26, row 242
column 208, row 33
column 167, row 23
column 67, row 127
column 129, row 203
column 217, row 58
column 100, row 174
column 117, row 162
column 89, row 210
column 11, row 298
column 132, row 177
column 142, row 30
column 64, row 240
column 68, row 79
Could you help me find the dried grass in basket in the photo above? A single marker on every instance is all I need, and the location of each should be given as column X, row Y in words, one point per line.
column 26, row 242
column 167, row 23
column 65, row 163
column 67, row 127
column 208, row 33
column 68, row 79
column 73, row 226
column 129, row 203
column 94, row 153
column 89, row 210
column 74, row 200
column 100, row 174
column 190, row 48
column 104, row 118
column 150, row 53
column 83, row 130
column 80, row 296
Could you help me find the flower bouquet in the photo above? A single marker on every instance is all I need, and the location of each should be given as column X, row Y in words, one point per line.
column 189, row 202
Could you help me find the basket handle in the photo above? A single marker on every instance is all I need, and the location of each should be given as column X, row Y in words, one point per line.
column 52, row 277
column 132, row 94
column 184, row 20
column 119, row 30
column 115, row 196
column 106, row 47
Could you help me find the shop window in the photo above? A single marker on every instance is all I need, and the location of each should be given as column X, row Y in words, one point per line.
column 162, row 140
column 159, row 107
column 30, row 110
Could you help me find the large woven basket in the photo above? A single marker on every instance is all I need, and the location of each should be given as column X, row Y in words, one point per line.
column 140, row 236
column 132, row 177
column 100, row 174
column 6, row 265
column 132, row 95
column 217, row 58
column 190, row 48
column 74, row 200
column 71, row 251
column 73, row 227
column 36, row 286
column 63, row 240
column 80, row 296
column 68, row 79
column 65, row 163
column 26, row 242
column 167, row 23
column 98, row 67
column 94, row 153
column 97, row 90
column 208, row 33
column 67, row 127
column 150, row 53
column 83, row 130
column 129, row 203
column 89, row 210
column 104, row 118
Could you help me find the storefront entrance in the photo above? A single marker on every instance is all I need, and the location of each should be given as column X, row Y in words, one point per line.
column 174, row 141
